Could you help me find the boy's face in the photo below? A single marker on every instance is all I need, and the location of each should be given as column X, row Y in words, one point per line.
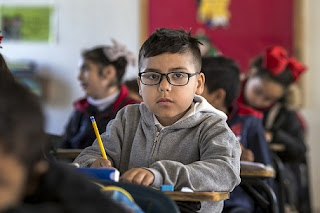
column 12, row 180
column 169, row 103
column 91, row 81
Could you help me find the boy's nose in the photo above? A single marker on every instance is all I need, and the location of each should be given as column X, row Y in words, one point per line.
column 164, row 84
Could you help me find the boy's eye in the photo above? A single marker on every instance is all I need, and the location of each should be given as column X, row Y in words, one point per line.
column 178, row 75
column 151, row 76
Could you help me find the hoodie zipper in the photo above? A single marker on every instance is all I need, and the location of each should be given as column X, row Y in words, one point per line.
column 154, row 145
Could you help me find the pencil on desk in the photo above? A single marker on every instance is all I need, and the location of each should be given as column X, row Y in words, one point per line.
column 96, row 131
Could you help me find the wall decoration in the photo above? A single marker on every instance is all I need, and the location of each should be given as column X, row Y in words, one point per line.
column 214, row 13
column 26, row 23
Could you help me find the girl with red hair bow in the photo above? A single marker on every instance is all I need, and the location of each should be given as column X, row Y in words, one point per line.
column 266, row 90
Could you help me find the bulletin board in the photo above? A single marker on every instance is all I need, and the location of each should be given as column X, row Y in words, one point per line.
column 26, row 23
column 253, row 25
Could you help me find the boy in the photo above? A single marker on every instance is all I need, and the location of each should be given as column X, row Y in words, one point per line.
column 27, row 182
column 174, row 136
column 221, row 89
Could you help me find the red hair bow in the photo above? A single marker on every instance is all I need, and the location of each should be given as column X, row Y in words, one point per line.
column 276, row 60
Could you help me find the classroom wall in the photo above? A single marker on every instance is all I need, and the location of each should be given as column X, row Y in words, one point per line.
column 84, row 23
column 311, row 54
column 80, row 24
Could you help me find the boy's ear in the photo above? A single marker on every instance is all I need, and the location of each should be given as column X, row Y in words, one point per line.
column 200, row 85
column 139, row 84
column 219, row 96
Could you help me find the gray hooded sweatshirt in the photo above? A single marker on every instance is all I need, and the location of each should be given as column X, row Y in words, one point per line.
column 198, row 151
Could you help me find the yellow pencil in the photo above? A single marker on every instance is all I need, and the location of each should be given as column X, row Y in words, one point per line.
column 96, row 131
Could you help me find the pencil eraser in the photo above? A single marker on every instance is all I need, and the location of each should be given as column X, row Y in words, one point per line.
column 167, row 188
column 92, row 118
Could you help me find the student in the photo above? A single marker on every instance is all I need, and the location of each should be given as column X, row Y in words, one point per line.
column 270, row 76
column 28, row 183
column 174, row 136
column 222, row 87
column 100, row 76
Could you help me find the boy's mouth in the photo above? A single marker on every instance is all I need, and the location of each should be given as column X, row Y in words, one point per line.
column 164, row 100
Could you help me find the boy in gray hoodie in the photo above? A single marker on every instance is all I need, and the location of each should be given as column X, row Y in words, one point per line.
column 174, row 136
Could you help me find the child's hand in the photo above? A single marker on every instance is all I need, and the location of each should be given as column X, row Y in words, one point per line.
column 269, row 136
column 247, row 155
column 138, row 176
column 101, row 162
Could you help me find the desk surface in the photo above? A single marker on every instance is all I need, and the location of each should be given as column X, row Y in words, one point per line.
column 67, row 153
column 277, row 147
column 252, row 169
column 198, row 196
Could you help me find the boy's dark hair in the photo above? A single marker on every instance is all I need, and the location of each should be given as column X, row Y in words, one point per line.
column 98, row 55
column 170, row 41
column 222, row 73
column 21, row 124
column 285, row 78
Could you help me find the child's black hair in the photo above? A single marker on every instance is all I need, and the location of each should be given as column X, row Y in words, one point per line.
column 285, row 78
column 21, row 122
column 5, row 75
column 98, row 55
column 170, row 41
column 222, row 73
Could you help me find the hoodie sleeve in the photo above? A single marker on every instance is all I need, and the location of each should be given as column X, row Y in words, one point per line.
column 218, row 168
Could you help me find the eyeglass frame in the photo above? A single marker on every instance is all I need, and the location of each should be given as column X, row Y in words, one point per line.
column 167, row 77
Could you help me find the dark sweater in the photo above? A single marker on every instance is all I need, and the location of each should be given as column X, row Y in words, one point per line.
column 62, row 189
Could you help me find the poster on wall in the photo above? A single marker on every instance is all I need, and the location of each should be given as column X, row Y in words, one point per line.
column 26, row 23
column 213, row 13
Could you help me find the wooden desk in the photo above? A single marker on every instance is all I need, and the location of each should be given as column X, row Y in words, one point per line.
column 256, row 170
column 197, row 196
column 67, row 153
column 277, row 147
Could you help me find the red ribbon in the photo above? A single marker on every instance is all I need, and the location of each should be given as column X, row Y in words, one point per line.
column 276, row 60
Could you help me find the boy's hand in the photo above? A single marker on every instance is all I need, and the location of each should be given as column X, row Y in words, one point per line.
column 138, row 176
column 247, row 155
column 269, row 136
column 101, row 162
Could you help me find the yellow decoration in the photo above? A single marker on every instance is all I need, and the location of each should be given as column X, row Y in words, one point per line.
column 214, row 12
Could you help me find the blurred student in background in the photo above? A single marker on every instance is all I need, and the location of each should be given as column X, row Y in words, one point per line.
column 270, row 76
column 28, row 182
column 222, row 87
column 101, row 73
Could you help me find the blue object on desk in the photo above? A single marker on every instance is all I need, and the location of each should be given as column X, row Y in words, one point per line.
column 167, row 188
column 102, row 173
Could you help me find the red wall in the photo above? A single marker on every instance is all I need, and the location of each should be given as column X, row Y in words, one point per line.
column 254, row 25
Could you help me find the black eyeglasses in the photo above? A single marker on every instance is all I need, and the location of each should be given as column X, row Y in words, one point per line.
column 174, row 78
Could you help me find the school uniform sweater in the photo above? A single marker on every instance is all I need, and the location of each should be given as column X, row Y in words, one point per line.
column 79, row 132
column 250, row 132
column 199, row 151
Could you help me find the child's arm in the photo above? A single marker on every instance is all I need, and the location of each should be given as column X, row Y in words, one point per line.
column 91, row 156
column 218, row 168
